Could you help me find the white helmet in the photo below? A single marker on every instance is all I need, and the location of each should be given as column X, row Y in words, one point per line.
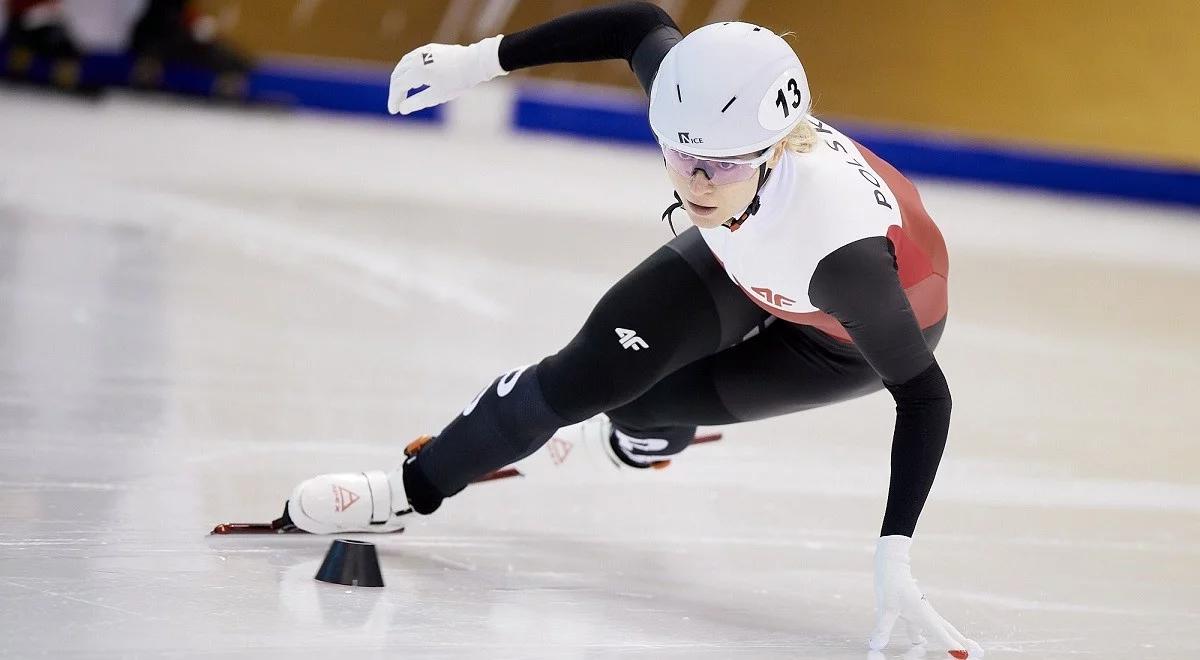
column 728, row 89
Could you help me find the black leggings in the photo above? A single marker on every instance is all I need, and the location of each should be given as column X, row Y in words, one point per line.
column 672, row 345
column 718, row 358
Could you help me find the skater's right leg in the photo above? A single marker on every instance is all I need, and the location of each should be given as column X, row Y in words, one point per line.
column 675, row 307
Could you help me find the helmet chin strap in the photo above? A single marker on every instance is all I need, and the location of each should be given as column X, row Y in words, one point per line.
column 732, row 223
column 666, row 215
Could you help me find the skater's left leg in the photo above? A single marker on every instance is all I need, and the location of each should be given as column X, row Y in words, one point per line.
column 786, row 368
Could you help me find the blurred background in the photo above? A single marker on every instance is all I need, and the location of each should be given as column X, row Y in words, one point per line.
column 224, row 268
column 1092, row 96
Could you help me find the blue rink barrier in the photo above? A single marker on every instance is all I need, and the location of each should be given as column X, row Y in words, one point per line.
column 588, row 114
column 353, row 89
column 1046, row 170
column 341, row 89
column 620, row 118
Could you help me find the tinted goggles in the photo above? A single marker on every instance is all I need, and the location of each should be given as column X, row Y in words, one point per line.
column 718, row 170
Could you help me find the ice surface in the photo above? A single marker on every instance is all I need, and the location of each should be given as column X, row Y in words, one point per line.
column 198, row 308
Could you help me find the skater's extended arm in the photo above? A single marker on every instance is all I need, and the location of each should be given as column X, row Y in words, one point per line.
column 638, row 32
column 858, row 284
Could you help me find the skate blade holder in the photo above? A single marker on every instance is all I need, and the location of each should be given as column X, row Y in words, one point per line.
column 351, row 563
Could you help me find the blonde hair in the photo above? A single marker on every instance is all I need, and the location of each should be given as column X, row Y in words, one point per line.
column 802, row 138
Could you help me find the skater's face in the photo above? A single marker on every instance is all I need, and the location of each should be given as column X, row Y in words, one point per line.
column 710, row 205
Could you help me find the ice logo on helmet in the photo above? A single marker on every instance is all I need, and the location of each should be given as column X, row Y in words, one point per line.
column 686, row 138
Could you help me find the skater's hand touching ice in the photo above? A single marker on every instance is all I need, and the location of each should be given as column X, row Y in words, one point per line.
column 445, row 71
column 897, row 599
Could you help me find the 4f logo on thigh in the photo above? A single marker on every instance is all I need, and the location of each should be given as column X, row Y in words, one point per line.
column 427, row 58
column 629, row 339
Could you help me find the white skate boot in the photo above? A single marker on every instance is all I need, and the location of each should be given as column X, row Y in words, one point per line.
column 584, row 449
column 371, row 501
column 375, row 501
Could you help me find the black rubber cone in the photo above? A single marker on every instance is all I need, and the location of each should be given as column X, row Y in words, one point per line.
column 352, row 563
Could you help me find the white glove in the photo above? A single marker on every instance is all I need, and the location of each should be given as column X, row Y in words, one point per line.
column 897, row 597
column 447, row 70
